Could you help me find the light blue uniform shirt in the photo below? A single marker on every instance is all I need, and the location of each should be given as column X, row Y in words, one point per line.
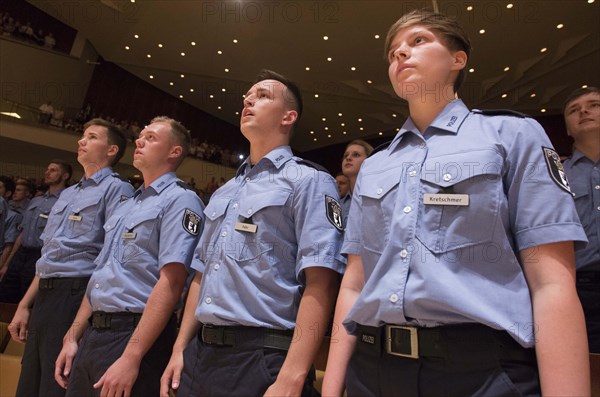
column 35, row 218
column 345, row 203
column 584, row 178
column 161, row 224
column 256, row 278
column 73, row 236
column 11, row 227
column 429, row 265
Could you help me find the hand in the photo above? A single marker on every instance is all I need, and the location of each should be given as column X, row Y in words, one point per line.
column 171, row 378
column 62, row 366
column 18, row 325
column 119, row 378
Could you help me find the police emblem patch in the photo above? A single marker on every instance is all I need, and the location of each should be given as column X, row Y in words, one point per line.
column 556, row 169
column 191, row 222
column 333, row 210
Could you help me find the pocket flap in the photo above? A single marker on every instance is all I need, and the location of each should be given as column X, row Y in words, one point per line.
column 216, row 208
column 448, row 170
column 255, row 203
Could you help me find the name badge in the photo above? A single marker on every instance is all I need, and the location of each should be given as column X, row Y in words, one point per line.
column 45, row 216
column 129, row 235
column 74, row 217
column 246, row 227
column 446, row 199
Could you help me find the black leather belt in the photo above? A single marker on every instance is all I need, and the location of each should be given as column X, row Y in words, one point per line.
column 235, row 336
column 72, row 283
column 116, row 320
column 450, row 341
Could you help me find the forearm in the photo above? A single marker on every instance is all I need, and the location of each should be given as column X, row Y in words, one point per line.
column 189, row 324
column 561, row 342
column 5, row 254
column 80, row 323
column 29, row 297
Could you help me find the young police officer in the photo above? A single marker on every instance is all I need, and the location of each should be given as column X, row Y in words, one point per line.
column 139, row 276
column 460, row 253
column 582, row 117
column 267, row 265
column 72, row 239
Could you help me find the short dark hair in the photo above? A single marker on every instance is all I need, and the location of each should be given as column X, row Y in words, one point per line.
column 28, row 185
column 66, row 167
column 296, row 99
column 114, row 134
column 579, row 92
column 179, row 133
column 9, row 184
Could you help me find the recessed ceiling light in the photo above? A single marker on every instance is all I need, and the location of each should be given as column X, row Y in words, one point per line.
column 127, row 47
column 340, row 115
column 504, row 95
column 470, row 8
column 148, row 55
column 181, row 96
column 481, row 31
column 543, row 110
column 394, row 115
column 326, row 128
column 235, row 41
column 509, row 5
column 584, row 86
column 360, row 120
column 315, row 139
column 353, row 68
column 191, row 90
column 193, row 43
column 380, row 133
column 171, row 83
column 397, row 129
column 471, row 70
column 325, row 38
column 506, row 69
column 369, row 82
column 544, row 49
column 151, row 76
column 237, row 113
column 361, row 128
column 183, row 54
column 328, row 135
column 316, row 95
column 226, row 70
column 136, row 36
column 219, row 52
column 376, row 36
column 223, row 90
column 182, row 76
column 560, row 26
column 160, row 45
column 307, row 68
column 590, row 1
column 329, row 59
column 343, row 124
column 211, row 96
column 324, row 119
column 219, row 107
column 344, row 132
column 533, row 94
column 312, row 132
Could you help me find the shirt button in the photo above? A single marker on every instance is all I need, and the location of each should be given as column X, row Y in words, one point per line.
column 422, row 145
column 139, row 202
column 403, row 254
column 597, row 187
column 208, row 300
column 214, row 214
column 407, row 209
column 598, row 208
column 224, row 234
column 394, row 298
column 447, row 177
column 250, row 211
column 216, row 266
column 412, row 173
column 379, row 191
column 97, row 286
column 235, row 206
column 247, row 179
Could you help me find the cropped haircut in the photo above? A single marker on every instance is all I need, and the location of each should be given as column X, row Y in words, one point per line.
column 114, row 134
column 447, row 29
column 179, row 134
column 579, row 92
column 296, row 97
column 64, row 166
column 8, row 182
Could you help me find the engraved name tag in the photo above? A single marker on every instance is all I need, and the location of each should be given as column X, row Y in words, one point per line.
column 446, row 199
column 246, row 227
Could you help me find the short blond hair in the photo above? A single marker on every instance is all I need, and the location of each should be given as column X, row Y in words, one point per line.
column 179, row 133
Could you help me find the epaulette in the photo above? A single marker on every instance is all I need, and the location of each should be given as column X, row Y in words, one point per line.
column 501, row 112
column 381, row 147
column 311, row 164
column 184, row 185
column 116, row 175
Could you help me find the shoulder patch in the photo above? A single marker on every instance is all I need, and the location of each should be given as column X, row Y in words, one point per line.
column 311, row 164
column 556, row 169
column 333, row 209
column 191, row 222
column 500, row 112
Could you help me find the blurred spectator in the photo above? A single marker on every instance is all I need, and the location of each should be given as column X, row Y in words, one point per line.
column 49, row 41
column 46, row 112
column 22, row 195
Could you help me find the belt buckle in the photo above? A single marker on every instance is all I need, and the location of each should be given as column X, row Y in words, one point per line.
column 213, row 335
column 414, row 341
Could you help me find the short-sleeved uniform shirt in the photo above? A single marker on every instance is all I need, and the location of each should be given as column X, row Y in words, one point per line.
column 159, row 225
column 11, row 227
column 263, row 228
column 74, row 233
column 439, row 220
column 584, row 178
column 35, row 218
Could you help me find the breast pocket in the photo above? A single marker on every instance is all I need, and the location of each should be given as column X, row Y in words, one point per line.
column 583, row 201
column 139, row 235
column 49, row 223
column 378, row 194
column 83, row 216
column 476, row 175
column 266, row 212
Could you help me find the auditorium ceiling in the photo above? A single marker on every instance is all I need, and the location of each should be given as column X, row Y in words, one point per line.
column 527, row 54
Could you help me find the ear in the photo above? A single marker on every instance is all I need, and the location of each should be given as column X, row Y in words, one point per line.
column 460, row 60
column 113, row 150
column 176, row 152
column 289, row 117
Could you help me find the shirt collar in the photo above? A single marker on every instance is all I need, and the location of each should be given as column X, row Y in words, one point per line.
column 158, row 185
column 277, row 157
column 577, row 155
column 96, row 178
column 450, row 119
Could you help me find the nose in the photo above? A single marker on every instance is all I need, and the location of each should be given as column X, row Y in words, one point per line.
column 139, row 142
column 81, row 141
column 400, row 53
column 248, row 101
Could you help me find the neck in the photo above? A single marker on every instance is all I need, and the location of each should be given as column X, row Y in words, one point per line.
column 56, row 188
column 151, row 176
column 90, row 169
column 423, row 112
column 260, row 150
column 590, row 147
column 352, row 182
